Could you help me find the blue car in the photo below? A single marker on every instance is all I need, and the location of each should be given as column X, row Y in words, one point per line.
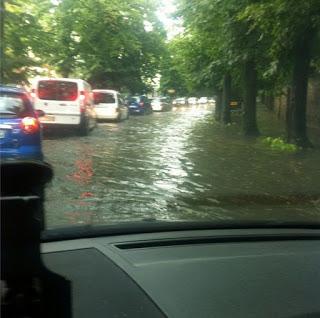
column 139, row 105
column 20, row 129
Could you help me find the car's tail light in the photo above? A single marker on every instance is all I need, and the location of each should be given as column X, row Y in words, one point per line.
column 30, row 125
column 82, row 98
column 82, row 95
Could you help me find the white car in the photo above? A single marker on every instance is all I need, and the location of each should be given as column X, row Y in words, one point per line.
column 181, row 101
column 161, row 104
column 203, row 100
column 65, row 102
column 109, row 105
column 192, row 100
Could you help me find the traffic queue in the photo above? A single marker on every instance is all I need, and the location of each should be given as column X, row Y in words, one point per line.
column 67, row 103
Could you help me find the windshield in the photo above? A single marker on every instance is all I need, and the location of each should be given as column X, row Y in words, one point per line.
column 237, row 139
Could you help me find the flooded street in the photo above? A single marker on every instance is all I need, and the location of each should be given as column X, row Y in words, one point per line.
column 178, row 165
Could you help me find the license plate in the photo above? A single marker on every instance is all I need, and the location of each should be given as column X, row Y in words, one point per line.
column 2, row 133
column 47, row 118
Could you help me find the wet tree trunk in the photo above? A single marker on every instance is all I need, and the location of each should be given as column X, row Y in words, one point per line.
column 297, row 106
column 263, row 98
column 288, row 112
column 249, row 119
column 218, row 107
column 226, row 96
column 269, row 102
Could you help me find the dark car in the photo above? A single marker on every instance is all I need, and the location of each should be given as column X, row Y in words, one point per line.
column 20, row 129
column 139, row 105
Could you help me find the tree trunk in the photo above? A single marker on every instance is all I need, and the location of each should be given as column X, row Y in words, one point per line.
column 263, row 98
column 269, row 101
column 288, row 113
column 226, row 96
column 218, row 107
column 250, row 127
column 297, row 107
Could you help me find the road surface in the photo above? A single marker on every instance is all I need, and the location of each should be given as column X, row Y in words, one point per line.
column 178, row 165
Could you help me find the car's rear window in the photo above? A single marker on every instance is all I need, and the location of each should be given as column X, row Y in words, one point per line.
column 103, row 98
column 134, row 99
column 58, row 90
column 14, row 105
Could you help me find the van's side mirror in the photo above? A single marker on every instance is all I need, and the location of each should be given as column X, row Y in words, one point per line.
column 40, row 113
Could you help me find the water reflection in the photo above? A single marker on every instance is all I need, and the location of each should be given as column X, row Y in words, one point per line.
column 179, row 165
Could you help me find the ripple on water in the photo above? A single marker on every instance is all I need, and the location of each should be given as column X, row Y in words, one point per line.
column 174, row 166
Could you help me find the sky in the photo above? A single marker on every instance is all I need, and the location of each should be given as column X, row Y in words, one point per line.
column 167, row 8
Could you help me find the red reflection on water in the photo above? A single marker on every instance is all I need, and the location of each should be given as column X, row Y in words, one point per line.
column 84, row 171
column 86, row 195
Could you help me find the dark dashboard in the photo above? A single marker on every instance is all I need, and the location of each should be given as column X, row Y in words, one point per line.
column 199, row 273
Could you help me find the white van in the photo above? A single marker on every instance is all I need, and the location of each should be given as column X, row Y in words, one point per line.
column 65, row 101
column 110, row 105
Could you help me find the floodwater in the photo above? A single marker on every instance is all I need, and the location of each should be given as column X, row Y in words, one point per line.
column 179, row 165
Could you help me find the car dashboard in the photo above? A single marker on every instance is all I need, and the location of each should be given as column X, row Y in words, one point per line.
column 192, row 273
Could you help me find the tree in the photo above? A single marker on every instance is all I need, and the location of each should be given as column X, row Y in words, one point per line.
column 291, row 27
column 2, row 60
column 21, row 37
column 230, row 50
column 111, row 43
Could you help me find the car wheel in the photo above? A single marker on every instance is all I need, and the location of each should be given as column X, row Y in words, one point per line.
column 118, row 119
column 94, row 124
column 84, row 127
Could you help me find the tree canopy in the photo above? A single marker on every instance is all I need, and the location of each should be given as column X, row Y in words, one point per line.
column 116, row 43
column 231, row 48
column 252, row 47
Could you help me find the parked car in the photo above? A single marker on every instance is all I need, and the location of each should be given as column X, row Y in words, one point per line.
column 20, row 129
column 203, row 100
column 139, row 105
column 181, row 101
column 110, row 105
column 66, row 102
column 161, row 104
column 192, row 100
